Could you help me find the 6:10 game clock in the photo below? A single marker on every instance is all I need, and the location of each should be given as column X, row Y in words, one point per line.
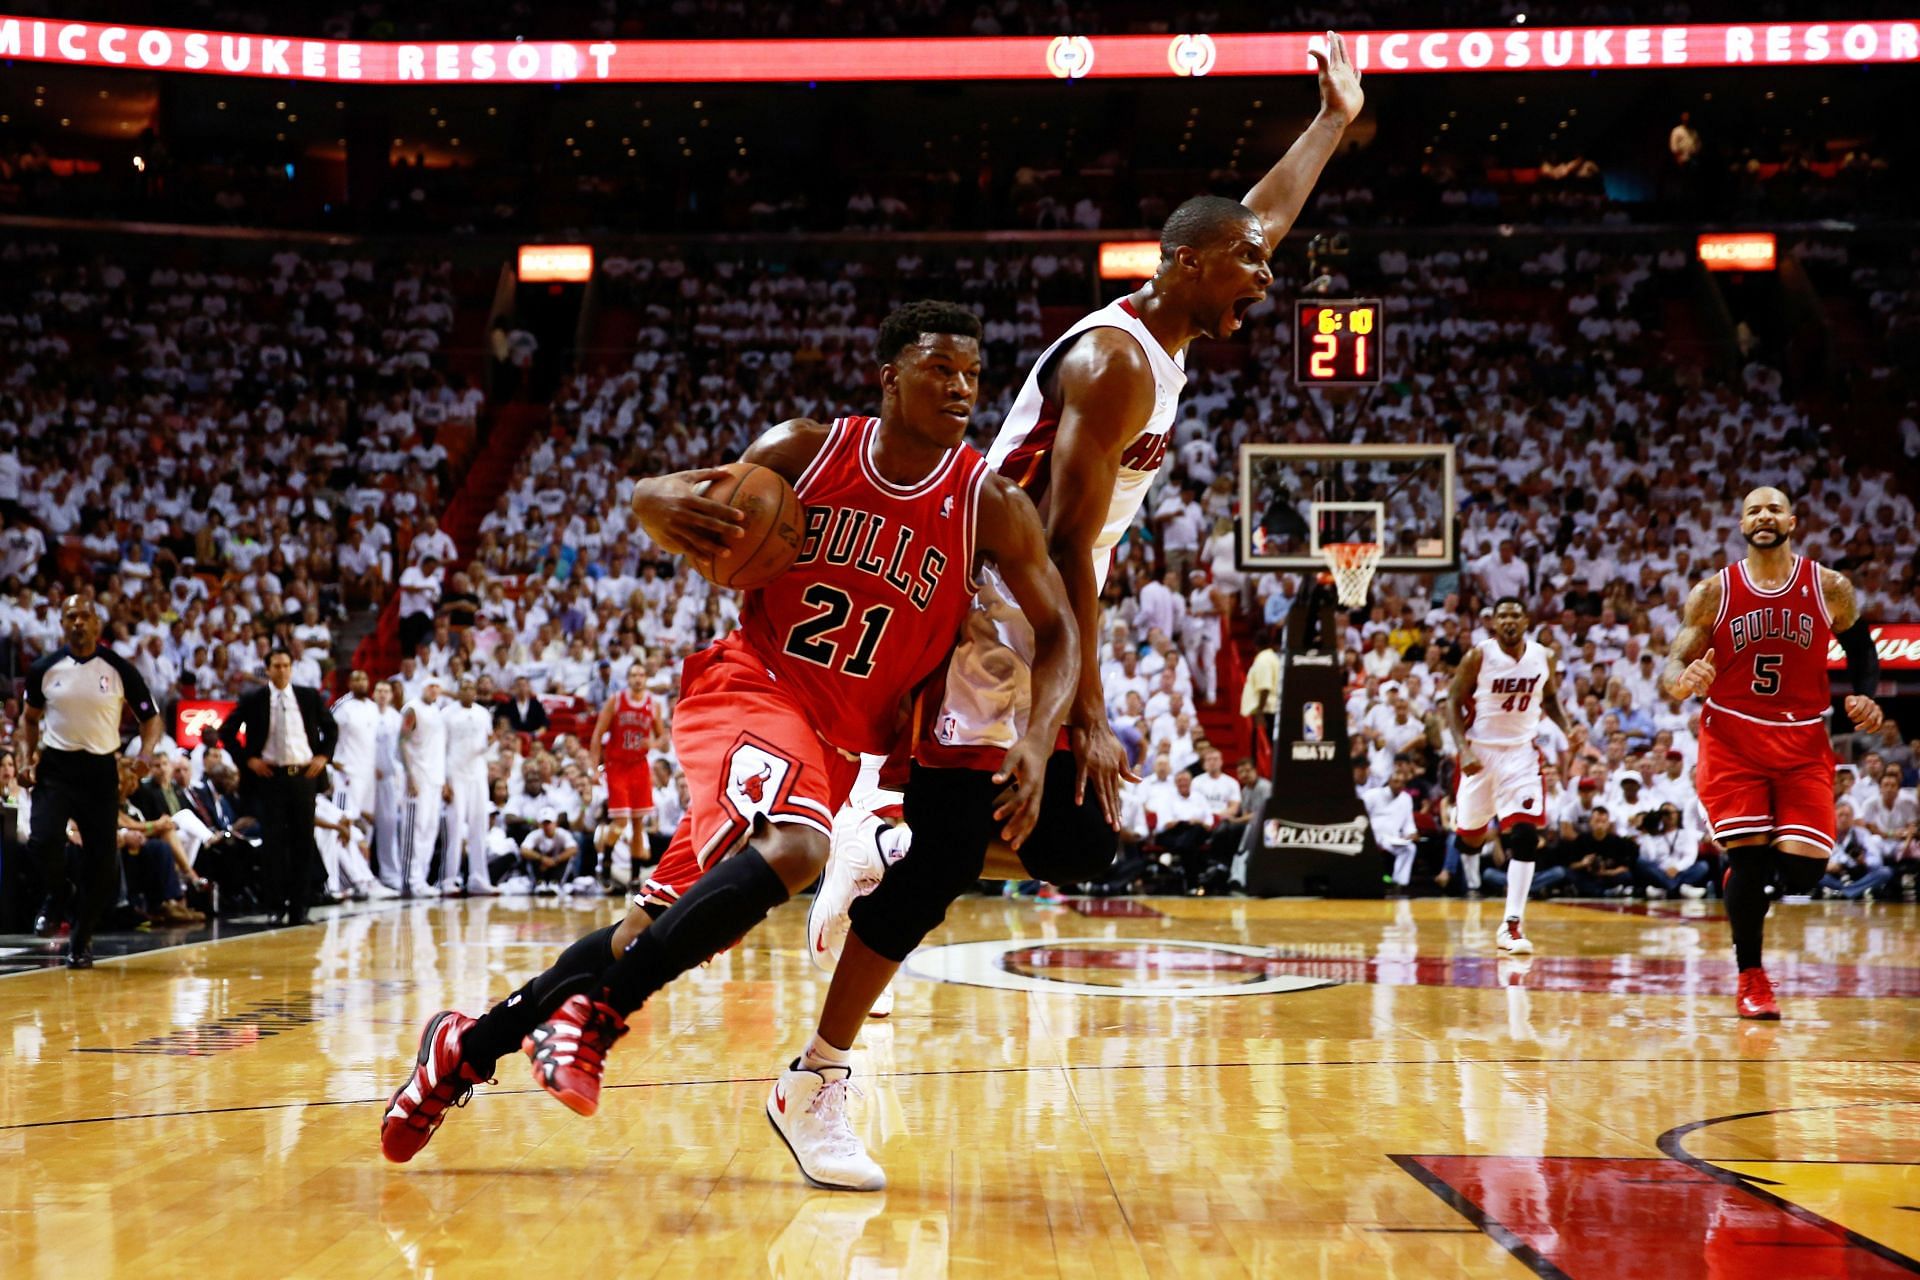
column 1337, row 341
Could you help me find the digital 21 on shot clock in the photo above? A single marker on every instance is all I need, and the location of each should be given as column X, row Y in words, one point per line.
column 1338, row 341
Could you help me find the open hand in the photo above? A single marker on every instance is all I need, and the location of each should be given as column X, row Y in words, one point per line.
column 1025, row 771
column 1340, row 92
column 1102, row 761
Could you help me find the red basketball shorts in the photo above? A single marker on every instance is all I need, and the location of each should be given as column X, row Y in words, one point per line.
column 749, row 751
column 629, row 789
column 1763, row 779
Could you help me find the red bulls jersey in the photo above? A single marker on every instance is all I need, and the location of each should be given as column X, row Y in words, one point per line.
column 874, row 603
column 1771, row 647
column 631, row 732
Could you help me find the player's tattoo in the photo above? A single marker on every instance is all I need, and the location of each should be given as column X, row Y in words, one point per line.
column 1836, row 590
column 1696, row 628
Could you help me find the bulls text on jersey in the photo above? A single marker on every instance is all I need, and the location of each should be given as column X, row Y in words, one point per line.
column 1793, row 625
column 845, row 536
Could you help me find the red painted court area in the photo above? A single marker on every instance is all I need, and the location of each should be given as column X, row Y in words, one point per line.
column 1611, row 1219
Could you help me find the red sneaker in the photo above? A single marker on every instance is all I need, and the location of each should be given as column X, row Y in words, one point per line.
column 1756, row 996
column 569, row 1048
column 440, row 1080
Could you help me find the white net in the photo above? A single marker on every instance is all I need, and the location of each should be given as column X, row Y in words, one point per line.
column 1352, row 564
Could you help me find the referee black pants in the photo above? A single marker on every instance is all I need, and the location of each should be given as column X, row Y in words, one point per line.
column 290, row 858
column 85, row 788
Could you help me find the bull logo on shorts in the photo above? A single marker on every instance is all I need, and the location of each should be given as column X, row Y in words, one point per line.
column 754, row 785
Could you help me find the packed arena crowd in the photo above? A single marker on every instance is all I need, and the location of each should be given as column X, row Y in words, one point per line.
column 225, row 461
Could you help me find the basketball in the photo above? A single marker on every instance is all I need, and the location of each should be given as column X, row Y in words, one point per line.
column 773, row 522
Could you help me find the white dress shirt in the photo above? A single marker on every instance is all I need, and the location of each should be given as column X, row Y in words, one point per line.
column 287, row 730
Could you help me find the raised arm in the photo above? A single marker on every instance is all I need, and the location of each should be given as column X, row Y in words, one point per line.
column 1107, row 390
column 1856, row 638
column 1465, row 678
column 1009, row 534
column 1279, row 196
column 1690, row 668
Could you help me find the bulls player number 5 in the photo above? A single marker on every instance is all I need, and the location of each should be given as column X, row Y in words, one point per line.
column 804, row 641
column 1766, row 674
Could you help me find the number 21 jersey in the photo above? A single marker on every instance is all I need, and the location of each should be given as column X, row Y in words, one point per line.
column 874, row 602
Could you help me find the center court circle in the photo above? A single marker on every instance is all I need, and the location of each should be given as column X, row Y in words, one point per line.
column 1112, row 967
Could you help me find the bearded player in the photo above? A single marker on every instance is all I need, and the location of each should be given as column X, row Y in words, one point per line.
column 900, row 519
column 1765, row 773
column 1085, row 438
column 1500, row 690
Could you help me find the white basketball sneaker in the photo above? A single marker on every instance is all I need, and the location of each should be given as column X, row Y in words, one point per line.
column 1510, row 938
column 854, row 867
column 809, row 1111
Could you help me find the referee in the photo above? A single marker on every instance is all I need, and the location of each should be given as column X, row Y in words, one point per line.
column 68, row 751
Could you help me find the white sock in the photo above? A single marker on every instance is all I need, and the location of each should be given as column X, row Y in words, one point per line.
column 820, row 1055
column 1519, row 881
column 894, row 843
column 1470, row 863
column 1403, row 867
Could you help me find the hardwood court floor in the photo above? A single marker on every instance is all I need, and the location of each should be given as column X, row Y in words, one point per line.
column 1375, row 1095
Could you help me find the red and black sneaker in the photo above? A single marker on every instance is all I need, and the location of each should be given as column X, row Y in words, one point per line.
column 441, row 1080
column 1755, row 999
column 569, row 1049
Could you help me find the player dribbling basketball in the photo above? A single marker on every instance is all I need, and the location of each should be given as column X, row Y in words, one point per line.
column 1754, row 640
column 1499, row 692
column 901, row 518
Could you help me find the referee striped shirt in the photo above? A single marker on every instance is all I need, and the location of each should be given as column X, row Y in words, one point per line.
column 80, row 699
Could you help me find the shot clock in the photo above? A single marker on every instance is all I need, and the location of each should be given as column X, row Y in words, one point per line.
column 1337, row 341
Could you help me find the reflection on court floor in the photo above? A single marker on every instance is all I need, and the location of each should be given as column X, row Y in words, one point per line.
column 1169, row 1087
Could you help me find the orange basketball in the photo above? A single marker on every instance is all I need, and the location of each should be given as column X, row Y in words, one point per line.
column 773, row 528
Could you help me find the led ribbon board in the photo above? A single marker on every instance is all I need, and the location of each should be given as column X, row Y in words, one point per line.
column 1509, row 49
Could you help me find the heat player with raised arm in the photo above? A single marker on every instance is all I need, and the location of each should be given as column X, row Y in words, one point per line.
column 1754, row 640
column 1500, row 690
column 900, row 518
column 1085, row 438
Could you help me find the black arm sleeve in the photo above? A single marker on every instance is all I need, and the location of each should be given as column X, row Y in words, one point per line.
column 1863, row 660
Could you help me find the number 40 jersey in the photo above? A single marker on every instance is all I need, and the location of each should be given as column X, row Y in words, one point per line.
column 1506, row 704
column 873, row 605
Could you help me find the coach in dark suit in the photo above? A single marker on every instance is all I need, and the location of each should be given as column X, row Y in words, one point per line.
column 289, row 736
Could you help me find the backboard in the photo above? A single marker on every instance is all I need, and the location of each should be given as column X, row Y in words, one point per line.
column 1297, row 497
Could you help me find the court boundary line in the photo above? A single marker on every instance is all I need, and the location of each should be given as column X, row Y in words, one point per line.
column 1672, row 1144
column 1496, row 1231
column 990, row 1071
column 368, row 910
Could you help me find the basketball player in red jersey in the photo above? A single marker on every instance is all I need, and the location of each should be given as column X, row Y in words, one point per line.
column 901, row 516
column 627, row 729
column 1084, row 437
column 1754, row 640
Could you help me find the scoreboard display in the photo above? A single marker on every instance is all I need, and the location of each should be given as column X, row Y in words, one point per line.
column 1337, row 341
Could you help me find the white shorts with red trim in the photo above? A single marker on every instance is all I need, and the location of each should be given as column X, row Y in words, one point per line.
column 1509, row 788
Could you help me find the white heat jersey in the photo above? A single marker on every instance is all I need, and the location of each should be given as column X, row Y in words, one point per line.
column 1505, row 711
column 983, row 703
column 1023, row 451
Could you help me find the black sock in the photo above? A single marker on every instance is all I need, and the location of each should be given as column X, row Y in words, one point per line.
column 717, row 912
column 1750, row 871
column 500, row 1029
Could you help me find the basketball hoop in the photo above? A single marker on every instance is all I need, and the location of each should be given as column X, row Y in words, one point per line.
column 1352, row 564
